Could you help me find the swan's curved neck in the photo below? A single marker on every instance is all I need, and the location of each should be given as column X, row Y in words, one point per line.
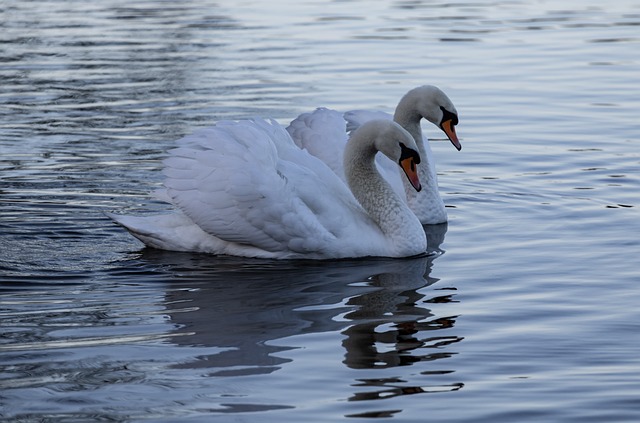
column 427, row 204
column 379, row 200
column 407, row 116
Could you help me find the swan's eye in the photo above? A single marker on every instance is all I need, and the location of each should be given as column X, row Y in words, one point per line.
column 409, row 153
column 447, row 115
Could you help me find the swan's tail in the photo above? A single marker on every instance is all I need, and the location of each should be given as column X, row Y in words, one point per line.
column 170, row 231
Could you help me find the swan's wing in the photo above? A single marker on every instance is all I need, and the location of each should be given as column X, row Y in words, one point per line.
column 247, row 183
column 323, row 134
column 355, row 118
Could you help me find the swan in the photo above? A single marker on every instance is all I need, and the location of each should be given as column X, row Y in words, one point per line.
column 324, row 133
column 243, row 188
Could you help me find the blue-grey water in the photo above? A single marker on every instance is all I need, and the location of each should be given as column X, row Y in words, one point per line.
column 529, row 310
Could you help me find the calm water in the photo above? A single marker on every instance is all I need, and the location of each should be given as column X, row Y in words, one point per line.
column 528, row 311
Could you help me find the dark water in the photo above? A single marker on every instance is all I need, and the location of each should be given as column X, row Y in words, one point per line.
column 528, row 311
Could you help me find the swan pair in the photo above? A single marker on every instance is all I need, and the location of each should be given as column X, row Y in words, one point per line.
column 255, row 189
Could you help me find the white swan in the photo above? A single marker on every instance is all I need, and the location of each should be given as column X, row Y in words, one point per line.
column 324, row 133
column 245, row 189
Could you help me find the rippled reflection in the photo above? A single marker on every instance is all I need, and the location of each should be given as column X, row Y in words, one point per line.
column 248, row 309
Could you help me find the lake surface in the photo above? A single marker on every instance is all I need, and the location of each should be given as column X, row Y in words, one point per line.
column 527, row 311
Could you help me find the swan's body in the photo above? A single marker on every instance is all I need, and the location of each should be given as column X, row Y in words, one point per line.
column 324, row 133
column 245, row 189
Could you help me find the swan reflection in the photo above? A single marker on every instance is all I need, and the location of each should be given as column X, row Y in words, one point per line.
column 247, row 308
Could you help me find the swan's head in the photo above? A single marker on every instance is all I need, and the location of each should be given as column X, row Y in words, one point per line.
column 431, row 103
column 396, row 143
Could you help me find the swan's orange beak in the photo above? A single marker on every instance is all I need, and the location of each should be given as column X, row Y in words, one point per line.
column 410, row 169
column 450, row 129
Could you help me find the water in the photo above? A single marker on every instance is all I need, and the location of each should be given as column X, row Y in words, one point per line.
column 527, row 313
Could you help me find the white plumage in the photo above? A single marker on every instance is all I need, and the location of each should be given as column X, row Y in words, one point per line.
column 245, row 189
